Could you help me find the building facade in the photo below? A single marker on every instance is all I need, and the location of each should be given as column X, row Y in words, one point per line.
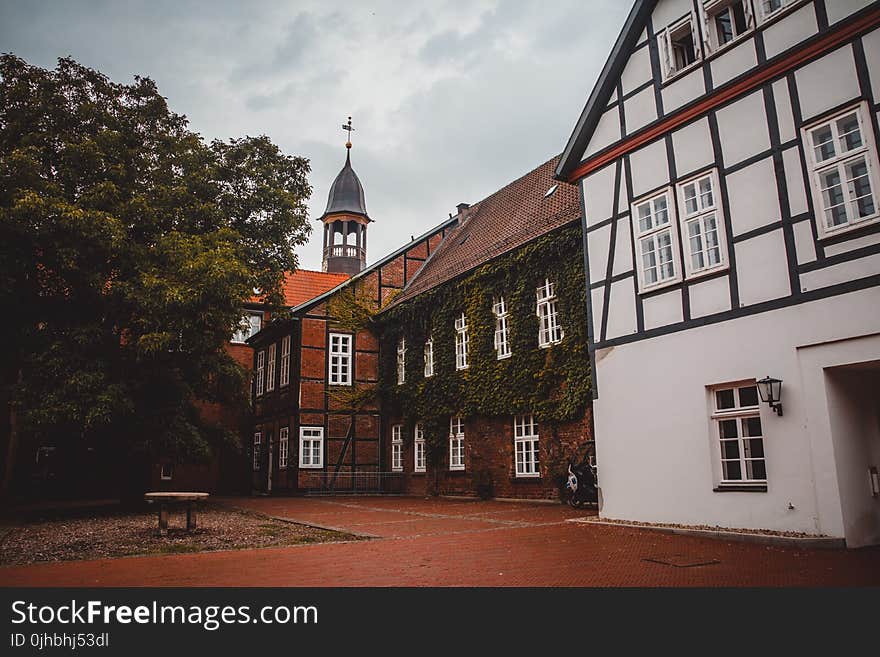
column 728, row 166
column 323, row 416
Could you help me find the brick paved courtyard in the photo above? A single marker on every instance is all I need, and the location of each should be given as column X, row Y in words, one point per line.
column 441, row 542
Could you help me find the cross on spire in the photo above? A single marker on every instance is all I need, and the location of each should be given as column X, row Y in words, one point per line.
column 347, row 127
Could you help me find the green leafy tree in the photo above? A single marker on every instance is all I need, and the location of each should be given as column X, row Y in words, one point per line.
column 127, row 246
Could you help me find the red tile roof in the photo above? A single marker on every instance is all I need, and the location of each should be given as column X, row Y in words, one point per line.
column 509, row 218
column 305, row 284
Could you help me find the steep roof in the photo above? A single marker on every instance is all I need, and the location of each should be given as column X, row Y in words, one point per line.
column 304, row 284
column 515, row 214
column 346, row 193
column 601, row 94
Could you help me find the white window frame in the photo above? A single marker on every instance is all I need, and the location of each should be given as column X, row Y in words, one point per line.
column 401, row 360
column 738, row 413
column 397, row 448
column 420, row 461
column 429, row 357
column 699, row 217
column 283, row 446
column 502, row 333
column 526, row 444
column 257, row 446
column 652, row 232
column 867, row 150
column 270, row 368
column 166, row 471
column 709, row 9
column 285, row 361
column 259, row 373
column 547, row 310
column 765, row 15
column 340, row 359
column 667, row 53
column 461, row 342
column 456, row 443
column 308, row 436
column 243, row 334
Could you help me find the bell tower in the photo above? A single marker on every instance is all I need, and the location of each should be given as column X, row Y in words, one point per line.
column 345, row 220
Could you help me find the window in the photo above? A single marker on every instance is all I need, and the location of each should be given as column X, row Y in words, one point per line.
column 843, row 162
column 770, row 8
column 679, row 47
column 311, row 447
column 549, row 331
column 456, row 443
column 250, row 324
column 340, row 359
column 401, row 361
column 261, row 365
column 270, row 369
column 397, row 448
column 166, row 472
column 502, row 345
column 656, row 245
column 724, row 21
column 429, row 357
column 461, row 343
column 420, row 460
column 737, row 420
column 701, row 224
column 283, row 446
column 525, row 444
column 258, row 440
column 285, row 360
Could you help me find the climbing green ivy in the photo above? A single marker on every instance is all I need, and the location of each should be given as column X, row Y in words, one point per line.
column 554, row 384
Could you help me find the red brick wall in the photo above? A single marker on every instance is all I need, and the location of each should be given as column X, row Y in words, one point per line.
column 489, row 454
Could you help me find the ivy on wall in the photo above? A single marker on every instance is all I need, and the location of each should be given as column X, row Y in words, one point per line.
column 554, row 384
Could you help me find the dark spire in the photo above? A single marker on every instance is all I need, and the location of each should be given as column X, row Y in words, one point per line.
column 346, row 193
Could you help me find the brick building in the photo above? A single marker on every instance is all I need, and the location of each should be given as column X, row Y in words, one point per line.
column 320, row 421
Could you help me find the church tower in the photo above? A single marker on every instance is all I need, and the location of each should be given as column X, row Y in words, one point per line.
column 345, row 220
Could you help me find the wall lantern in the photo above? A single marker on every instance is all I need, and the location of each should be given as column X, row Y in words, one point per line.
column 770, row 390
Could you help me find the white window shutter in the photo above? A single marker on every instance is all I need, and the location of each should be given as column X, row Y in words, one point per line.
column 707, row 41
column 666, row 46
column 750, row 15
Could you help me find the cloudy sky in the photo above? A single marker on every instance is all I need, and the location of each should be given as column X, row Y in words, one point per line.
column 450, row 99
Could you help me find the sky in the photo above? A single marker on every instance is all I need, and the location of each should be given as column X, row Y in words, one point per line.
column 450, row 99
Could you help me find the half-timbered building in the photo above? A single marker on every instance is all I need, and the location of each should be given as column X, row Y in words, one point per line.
column 728, row 165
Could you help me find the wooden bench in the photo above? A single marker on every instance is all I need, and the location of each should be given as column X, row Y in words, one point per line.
column 174, row 499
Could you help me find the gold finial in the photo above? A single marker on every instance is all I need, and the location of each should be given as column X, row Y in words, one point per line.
column 347, row 127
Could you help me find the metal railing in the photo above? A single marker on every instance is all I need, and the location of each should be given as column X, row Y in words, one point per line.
column 352, row 483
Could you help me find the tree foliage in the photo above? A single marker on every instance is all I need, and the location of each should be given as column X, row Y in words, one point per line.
column 127, row 247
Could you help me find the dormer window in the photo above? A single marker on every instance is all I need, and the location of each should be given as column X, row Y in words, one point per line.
column 725, row 20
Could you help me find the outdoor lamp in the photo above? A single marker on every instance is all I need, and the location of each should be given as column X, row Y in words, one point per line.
column 770, row 390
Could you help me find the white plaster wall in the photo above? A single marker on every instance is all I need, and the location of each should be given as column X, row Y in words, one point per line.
column 649, row 167
column 851, row 244
column 762, row 269
column 623, row 253
column 637, row 70
column 837, row 10
column 827, row 82
column 655, row 446
column 662, row 309
column 790, row 30
column 597, row 242
column 804, row 244
column 753, row 196
column 683, row 90
column 784, row 115
column 734, row 61
column 794, row 179
column 841, row 273
column 871, row 42
column 598, row 195
column 692, row 146
column 669, row 11
column 640, row 110
column 709, row 297
column 621, row 309
column 742, row 128
column 607, row 132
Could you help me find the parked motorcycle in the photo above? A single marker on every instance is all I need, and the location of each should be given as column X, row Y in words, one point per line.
column 582, row 484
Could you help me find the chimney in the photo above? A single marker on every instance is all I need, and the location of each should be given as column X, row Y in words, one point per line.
column 461, row 207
